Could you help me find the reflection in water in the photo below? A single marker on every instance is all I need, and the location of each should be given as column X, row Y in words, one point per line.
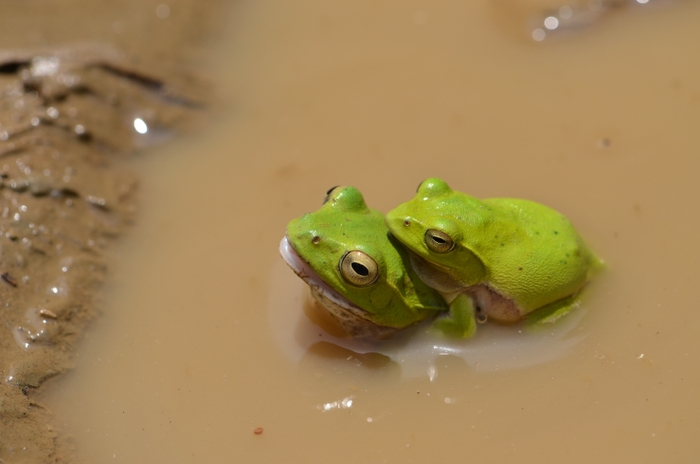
column 140, row 126
column 415, row 349
column 576, row 16
column 345, row 403
column 36, row 331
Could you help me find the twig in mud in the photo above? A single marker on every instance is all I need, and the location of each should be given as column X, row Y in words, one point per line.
column 9, row 279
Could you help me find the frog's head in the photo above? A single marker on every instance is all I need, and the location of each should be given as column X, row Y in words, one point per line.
column 431, row 227
column 344, row 252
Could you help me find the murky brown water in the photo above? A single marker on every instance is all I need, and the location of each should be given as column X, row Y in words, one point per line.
column 190, row 355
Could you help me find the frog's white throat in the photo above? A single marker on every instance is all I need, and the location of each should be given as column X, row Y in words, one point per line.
column 355, row 321
column 308, row 275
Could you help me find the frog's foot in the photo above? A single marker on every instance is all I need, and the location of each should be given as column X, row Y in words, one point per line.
column 553, row 311
column 460, row 322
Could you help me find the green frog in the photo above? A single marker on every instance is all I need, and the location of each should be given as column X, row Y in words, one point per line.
column 356, row 269
column 512, row 258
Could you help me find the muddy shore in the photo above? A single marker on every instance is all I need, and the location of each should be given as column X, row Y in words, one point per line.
column 85, row 85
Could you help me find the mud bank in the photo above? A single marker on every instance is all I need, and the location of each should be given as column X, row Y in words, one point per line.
column 86, row 86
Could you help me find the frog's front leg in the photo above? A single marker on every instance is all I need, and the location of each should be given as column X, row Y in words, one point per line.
column 553, row 311
column 460, row 321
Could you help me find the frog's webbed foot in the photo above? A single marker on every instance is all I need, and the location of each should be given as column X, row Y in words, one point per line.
column 460, row 321
column 553, row 311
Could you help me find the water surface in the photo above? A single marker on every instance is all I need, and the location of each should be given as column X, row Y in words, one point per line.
column 186, row 362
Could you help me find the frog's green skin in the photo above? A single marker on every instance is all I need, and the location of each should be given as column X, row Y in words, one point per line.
column 512, row 257
column 383, row 298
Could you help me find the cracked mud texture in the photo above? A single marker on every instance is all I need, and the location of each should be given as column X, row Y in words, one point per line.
column 66, row 131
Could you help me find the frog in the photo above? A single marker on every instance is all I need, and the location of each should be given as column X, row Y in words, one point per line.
column 356, row 269
column 515, row 260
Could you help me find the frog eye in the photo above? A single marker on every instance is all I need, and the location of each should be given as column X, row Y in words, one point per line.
column 358, row 268
column 438, row 241
column 328, row 194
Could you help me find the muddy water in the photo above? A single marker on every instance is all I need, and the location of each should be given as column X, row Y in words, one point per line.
column 191, row 355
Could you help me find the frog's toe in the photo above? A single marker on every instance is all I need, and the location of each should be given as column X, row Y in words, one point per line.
column 553, row 311
column 460, row 321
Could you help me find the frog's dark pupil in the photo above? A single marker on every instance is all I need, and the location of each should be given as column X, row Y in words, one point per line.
column 360, row 269
column 439, row 240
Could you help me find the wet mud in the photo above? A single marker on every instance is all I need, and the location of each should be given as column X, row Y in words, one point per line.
column 75, row 104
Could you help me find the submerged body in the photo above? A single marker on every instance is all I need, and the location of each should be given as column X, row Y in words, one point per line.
column 356, row 269
column 512, row 257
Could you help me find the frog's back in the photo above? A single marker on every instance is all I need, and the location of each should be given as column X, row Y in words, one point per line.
column 546, row 258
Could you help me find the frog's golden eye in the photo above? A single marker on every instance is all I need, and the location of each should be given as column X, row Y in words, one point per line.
column 358, row 268
column 438, row 241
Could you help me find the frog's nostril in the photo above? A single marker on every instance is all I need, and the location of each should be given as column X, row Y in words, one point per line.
column 406, row 222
